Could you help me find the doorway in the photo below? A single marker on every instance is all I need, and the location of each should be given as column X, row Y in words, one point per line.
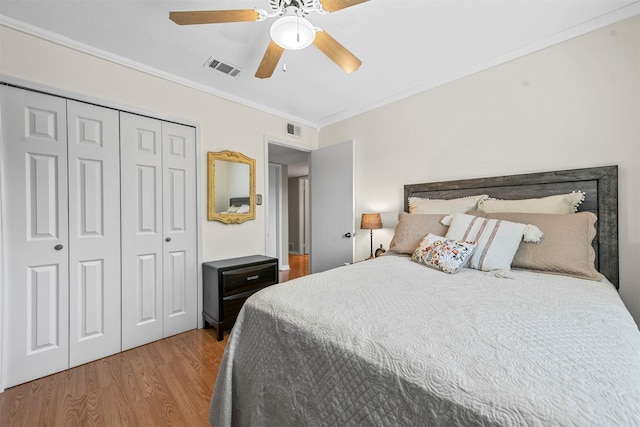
column 288, row 227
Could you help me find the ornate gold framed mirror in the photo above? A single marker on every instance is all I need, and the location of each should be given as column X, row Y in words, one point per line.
column 231, row 187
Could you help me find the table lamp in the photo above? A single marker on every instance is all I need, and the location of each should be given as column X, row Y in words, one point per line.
column 371, row 221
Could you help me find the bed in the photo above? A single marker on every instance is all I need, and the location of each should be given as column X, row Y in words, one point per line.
column 238, row 205
column 390, row 341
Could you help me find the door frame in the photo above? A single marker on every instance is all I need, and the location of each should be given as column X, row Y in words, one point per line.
column 2, row 269
column 284, row 143
column 277, row 201
column 55, row 91
column 304, row 223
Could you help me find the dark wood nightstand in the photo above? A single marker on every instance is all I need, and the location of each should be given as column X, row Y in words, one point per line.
column 228, row 283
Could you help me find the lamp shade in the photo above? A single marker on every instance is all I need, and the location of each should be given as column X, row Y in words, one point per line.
column 371, row 221
column 293, row 32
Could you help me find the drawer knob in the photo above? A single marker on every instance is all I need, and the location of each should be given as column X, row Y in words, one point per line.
column 257, row 276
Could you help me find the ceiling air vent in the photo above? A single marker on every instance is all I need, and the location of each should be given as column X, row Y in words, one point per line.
column 228, row 69
column 293, row 130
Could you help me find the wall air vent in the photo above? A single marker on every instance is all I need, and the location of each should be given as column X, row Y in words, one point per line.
column 228, row 69
column 294, row 130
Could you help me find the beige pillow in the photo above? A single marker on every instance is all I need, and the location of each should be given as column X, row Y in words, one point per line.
column 412, row 228
column 565, row 248
column 418, row 205
column 559, row 204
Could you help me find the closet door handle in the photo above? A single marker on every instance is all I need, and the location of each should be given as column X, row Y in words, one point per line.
column 168, row 239
column 58, row 247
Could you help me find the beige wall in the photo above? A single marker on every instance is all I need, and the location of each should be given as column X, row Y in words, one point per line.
column 223, row 125
column 574, row 105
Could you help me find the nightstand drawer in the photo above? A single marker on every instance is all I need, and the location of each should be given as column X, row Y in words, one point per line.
column 249, row 278
column 234, row 303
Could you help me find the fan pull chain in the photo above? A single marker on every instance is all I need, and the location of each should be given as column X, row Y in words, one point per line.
column 298, row 28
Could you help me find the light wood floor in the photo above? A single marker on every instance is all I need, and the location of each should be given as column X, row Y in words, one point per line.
column 165, row 383
column 299, row 266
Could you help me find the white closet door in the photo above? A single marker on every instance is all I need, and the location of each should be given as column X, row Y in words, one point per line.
column 35, row 162
column 142, row 241
column 94, row 232
column 179, row 222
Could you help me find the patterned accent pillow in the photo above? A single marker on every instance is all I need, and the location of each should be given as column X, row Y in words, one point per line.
column 497, row 240
column 443, row 254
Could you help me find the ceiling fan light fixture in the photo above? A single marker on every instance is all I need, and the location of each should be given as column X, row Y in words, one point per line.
column 293, row 32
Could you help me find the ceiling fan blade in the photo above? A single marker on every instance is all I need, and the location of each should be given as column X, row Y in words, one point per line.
column 333, row 5
column 269, row 60
column 213, row 16
column 336, row 52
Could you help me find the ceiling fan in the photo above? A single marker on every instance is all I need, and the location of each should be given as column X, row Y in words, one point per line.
column 292, row 31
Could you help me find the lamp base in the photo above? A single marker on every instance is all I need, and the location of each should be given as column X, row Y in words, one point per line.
column 371, row 239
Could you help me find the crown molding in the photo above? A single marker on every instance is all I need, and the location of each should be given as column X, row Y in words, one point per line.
column 579, row 30
column 58, row 39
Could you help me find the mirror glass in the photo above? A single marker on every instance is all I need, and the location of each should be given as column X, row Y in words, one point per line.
column 231, row 187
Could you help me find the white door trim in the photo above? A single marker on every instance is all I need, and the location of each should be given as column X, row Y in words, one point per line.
column 2, row 269
column 274, row 236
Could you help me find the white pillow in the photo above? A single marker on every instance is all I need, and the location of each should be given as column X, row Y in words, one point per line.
column 418, row 205
column 443, row 254
column 232, row 209
column 243, row 209
column 558, row 204
column 497, row 241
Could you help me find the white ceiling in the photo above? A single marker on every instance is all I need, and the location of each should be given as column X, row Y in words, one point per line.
column 406, row 46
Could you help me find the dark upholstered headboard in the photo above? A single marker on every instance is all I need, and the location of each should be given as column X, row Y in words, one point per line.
column 600, row 185
column 239, row 201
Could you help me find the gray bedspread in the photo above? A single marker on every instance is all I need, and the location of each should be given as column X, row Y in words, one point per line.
column 389, row 342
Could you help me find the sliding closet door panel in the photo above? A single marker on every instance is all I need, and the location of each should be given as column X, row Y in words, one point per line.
column 94, row 232
column 35, row 161
column 179, row 222
column 141, row 184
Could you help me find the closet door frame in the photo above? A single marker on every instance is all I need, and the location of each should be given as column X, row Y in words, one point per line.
column 200, row 182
